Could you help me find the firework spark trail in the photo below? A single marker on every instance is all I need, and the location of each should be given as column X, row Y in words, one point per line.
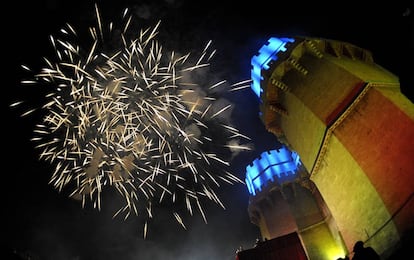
column 133, row 119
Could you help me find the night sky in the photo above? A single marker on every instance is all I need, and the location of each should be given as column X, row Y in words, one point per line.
column 41, row 223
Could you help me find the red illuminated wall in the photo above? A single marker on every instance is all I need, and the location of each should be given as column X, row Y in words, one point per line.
column 284, row 247
column 382, row 142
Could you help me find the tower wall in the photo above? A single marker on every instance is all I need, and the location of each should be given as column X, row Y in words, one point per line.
column 354, row 131
column 269, row 208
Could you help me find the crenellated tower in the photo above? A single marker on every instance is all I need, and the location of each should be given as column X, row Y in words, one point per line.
column 345, row 116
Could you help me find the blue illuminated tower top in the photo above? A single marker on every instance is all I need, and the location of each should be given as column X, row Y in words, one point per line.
column 272, row 166
column 267, row 53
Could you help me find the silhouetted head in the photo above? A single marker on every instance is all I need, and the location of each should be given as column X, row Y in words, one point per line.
column 358, row 246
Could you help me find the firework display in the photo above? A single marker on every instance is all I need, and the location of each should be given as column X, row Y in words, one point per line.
column 135, row 119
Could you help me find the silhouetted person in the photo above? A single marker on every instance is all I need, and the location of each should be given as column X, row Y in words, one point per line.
column 364, row 253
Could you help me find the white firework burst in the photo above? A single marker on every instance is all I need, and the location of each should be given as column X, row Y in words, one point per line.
column 134, row 119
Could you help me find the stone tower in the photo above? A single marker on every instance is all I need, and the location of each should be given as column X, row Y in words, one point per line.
column 353, row 129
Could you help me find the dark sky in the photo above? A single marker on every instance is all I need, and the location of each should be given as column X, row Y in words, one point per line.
column 41, row 223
